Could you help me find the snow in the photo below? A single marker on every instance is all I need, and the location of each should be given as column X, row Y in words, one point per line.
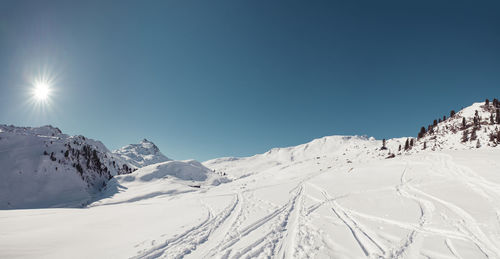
column 334, row 197
column 30, row 179
column 143, row 154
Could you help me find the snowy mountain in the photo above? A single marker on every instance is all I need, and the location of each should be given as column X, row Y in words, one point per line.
column 473, row 127
column 143, row 154
column 334, row 197
column 42, row 167
column 343, row 148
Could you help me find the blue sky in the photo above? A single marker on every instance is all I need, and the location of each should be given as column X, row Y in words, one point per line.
column 206, row 79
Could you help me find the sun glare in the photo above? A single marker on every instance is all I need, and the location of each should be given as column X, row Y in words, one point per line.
column 41, row 91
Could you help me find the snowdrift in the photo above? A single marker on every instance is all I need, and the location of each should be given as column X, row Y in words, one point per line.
column 167, row 178
column 189, row 170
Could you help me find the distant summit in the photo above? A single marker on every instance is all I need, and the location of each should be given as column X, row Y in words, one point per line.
column 143, row 154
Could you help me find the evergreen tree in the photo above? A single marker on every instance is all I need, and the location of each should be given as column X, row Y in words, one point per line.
column 411, row 142
column 399, row 149
column 487, row 102
column 473, row 135
column 421, row 133
column 498, row 116
column 464, row 123
column 452, row 113
column 465, row 136
column 478, row 144
column 383, row 145
column 435, row 123
column 444, row 118
column 425, row 144
column 407, row 144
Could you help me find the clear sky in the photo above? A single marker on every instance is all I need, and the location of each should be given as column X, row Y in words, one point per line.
column 205, row 79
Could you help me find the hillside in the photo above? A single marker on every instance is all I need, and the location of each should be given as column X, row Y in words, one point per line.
column 334, row 197
column 42, row 167
column 473, row 127
column 143, row 154
column 162, row 179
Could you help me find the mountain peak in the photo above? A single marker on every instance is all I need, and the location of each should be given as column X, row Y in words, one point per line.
column 143, row 154
column 42, row 167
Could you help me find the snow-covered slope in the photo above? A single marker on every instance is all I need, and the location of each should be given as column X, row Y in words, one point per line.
column 166, row 178
column 142, row 154
column 42, row 167
column 472, row 127
column 344, row 149
column 334, row 197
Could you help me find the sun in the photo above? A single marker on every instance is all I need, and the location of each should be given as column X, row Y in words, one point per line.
column 41, row 91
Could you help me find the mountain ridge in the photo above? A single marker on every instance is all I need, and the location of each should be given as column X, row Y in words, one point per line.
column 142, row 154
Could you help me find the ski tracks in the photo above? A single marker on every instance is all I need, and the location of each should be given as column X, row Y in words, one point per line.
column 366, row 239
column 270, row 243
column 411, row 244
column 466, row 224
column 185, row 243
column 287, row 232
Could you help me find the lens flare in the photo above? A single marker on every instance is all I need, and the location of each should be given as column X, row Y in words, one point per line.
column 41, row 91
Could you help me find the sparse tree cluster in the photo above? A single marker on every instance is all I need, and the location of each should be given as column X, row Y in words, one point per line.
column 87, row 161
column 409, row 143
column 469, row 126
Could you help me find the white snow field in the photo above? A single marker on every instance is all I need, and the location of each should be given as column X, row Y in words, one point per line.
column 433, row 204
column 334, row 197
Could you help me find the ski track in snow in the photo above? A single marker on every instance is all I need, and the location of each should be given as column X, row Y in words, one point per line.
column 467, row 225
column 286, row 230
column 413, row 240
column 188, row 241
column 367, row 239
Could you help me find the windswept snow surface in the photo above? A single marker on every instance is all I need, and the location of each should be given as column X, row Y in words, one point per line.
column 335, row 197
